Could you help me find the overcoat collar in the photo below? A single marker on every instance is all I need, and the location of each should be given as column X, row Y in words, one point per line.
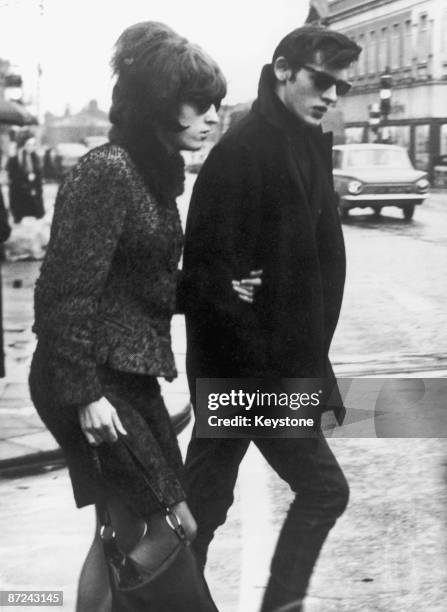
column 275, row 113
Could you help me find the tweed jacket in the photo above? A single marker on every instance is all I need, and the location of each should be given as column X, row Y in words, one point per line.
column 259, row 204
column 106, row 291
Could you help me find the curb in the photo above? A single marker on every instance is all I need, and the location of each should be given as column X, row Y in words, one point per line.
column 25, row 464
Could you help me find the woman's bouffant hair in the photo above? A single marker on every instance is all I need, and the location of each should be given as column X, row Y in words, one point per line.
column 157, row 71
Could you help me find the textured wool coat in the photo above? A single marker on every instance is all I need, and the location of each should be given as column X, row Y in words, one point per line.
column 264, row 199
column 103, row 304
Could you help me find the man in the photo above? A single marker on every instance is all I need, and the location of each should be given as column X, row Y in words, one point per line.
column 264, row 200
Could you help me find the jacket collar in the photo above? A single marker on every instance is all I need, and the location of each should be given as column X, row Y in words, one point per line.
column 270, row 107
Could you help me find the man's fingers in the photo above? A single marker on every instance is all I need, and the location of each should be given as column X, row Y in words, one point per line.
column 256, row 273
column 243, row 291
column 251, row 282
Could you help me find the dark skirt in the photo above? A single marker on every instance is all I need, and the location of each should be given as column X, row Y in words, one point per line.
column 140, row 407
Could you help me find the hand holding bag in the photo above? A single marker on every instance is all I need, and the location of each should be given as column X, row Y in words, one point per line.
column 160, row 574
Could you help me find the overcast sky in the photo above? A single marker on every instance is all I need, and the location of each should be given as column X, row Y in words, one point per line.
column 73, row 40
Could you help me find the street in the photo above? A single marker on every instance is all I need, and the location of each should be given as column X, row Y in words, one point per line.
column 388, row 553
column 393, row 315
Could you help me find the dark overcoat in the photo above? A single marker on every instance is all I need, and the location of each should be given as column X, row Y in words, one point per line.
column 264, row 199
column 25, row 188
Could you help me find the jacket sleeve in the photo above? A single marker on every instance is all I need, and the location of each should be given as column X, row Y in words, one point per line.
column 88, row 221
column 221, row 245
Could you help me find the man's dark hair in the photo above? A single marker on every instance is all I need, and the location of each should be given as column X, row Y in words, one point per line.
column 301, row 46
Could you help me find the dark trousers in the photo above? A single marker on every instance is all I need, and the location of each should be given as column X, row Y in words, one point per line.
column 312, row 472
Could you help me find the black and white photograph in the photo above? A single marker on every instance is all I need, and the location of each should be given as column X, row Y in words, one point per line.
column 223, row 328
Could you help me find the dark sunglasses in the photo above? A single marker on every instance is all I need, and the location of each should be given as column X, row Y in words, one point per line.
column 323, row 81
column 202, row 105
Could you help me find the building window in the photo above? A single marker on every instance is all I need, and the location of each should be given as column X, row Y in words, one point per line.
column 383, row 50
column 400, row 135
column 443, row 143
column 422, row 146
column 354, row 134
column 408, row 47
column 362, row 57
column 353, row 68
column 395, row 46
column 444, row 37
column 372, row 53
column 423, row 42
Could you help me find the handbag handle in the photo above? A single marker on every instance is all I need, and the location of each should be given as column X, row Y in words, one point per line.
column 171, row 518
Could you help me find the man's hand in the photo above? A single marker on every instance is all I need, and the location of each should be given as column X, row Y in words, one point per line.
column 245, row 288
column 100, row 422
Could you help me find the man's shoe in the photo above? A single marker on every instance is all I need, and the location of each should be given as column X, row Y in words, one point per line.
column 293, row 606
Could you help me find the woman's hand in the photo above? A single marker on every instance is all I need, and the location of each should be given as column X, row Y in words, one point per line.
column 100, row 422
column 245, row 288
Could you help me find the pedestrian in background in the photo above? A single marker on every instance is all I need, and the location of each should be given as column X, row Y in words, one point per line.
column 25, row 182
column 107, row 290
column 5, row 232
column 264, row 199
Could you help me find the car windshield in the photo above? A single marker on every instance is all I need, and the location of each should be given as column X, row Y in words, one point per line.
column 390, row 158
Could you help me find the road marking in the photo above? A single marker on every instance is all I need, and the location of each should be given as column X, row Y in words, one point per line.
column 258, row 538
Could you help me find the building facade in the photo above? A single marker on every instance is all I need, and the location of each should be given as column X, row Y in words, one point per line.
column 408, row 40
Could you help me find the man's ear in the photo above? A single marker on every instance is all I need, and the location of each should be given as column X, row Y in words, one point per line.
column 281, row 69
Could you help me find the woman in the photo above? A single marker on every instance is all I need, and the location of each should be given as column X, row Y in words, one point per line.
column 107, row 288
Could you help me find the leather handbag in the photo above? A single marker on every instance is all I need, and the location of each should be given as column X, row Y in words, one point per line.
column 160, row 574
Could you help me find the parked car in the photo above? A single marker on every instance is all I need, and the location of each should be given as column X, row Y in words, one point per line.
column 377, row 175
column 95, row 141
column 61, row 158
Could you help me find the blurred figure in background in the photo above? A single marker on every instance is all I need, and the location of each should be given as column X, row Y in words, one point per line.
column 25, row 182
column 5, row 232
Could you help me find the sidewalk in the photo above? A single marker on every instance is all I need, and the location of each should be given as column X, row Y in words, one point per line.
column 24, row 439
column 25, row 442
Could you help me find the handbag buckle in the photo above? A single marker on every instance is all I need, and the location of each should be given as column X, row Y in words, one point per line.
column 107, row 533
column 175, row 524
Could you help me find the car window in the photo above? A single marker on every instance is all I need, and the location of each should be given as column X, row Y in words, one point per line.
column 390, row 158
column 336, row 159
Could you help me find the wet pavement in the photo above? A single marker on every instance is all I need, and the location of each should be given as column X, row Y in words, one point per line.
column 388, row 553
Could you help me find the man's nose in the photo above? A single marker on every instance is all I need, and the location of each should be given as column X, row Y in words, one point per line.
column 211, row 116
column 330, row 95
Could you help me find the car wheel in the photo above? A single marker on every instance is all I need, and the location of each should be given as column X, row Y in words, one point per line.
column 377, row 210
column 408, row 212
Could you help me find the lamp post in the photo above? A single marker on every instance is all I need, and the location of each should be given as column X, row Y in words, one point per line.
column 386, row 83
column 374, row 119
